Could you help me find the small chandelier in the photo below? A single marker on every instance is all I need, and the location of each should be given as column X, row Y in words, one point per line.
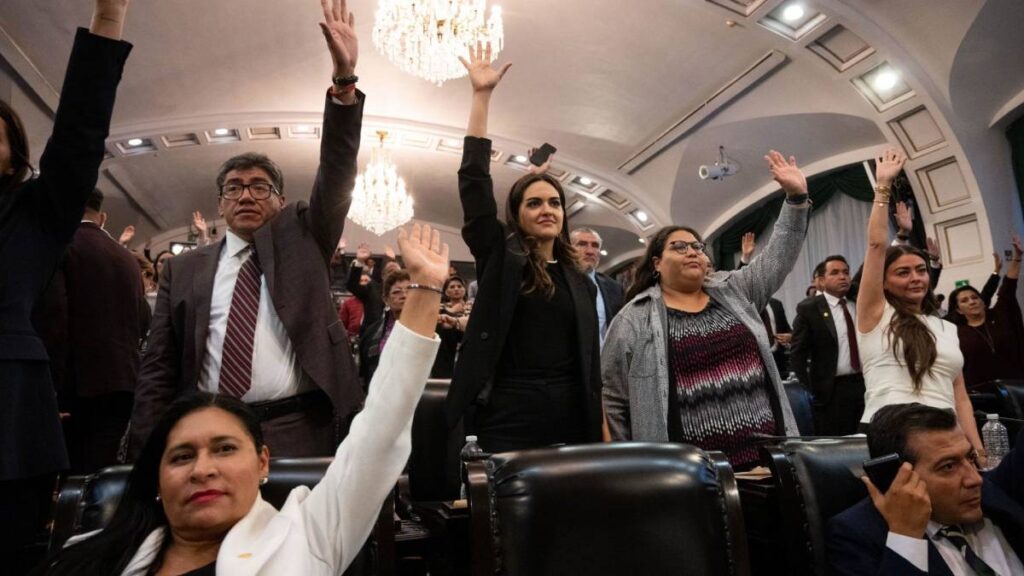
column 379, row 201
column 426, row 37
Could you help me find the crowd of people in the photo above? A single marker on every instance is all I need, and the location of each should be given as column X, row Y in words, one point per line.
column 199, row 367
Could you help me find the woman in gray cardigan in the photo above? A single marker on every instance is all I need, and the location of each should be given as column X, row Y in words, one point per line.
column 688, row 358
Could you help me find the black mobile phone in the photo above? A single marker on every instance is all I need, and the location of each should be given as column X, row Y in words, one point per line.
column 882, row 470
column 540, row 155
column 1007, row 254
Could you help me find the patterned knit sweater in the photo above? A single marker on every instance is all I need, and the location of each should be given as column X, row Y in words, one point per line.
column 718, row 385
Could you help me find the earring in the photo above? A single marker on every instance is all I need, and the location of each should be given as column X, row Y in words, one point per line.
column 657, row 274
column 264, row 480
column 157, row 497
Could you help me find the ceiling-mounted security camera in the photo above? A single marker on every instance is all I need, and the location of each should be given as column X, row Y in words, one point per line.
column 719, row 170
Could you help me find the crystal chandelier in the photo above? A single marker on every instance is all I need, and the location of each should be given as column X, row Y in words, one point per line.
column 426, row 37
column 379, row 201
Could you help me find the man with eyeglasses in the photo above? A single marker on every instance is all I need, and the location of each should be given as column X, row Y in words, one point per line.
column 252, row 315
column 939, row 516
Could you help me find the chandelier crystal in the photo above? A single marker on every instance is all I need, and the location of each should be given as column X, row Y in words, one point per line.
column 426, row 37
column 379, row 201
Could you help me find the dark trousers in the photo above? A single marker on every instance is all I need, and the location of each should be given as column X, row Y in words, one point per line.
column 25, row 507
column 312, row 431
column 94, row 430
column 524, row 414
column 841, row 414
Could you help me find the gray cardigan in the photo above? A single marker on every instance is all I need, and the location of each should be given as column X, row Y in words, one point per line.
column 634, row 361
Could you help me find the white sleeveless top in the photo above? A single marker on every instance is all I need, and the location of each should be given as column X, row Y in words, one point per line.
column 886, row 377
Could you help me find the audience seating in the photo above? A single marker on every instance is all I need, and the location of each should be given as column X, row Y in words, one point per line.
column 434, row 463
column 623, row 508
column 814, row 480
column 800, row 401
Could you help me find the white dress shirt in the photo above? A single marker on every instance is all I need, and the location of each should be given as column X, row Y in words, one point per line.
column 844, row 366
column 275, row 370
column 985, row 538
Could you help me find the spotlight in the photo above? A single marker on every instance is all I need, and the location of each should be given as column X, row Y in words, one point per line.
column 221, row 132
column 641, row 215
column 135, row 142
column 604, row 252
column 885, row 80
column 179, row 247
column 584, row 181
column 519, row 158
column 642, row 240
column 303, row 129
column 719, row 170
column 793, row 12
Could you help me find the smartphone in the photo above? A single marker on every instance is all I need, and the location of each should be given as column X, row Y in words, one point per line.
column 1007, row 254
column 882, row 470
column 540, row 155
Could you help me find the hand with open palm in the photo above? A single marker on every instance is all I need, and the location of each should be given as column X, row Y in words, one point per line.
column 786, row 173
column 482, row 75
column 339, row 32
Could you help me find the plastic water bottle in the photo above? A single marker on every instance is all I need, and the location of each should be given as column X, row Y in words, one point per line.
column 471, row 452
column 996, row 439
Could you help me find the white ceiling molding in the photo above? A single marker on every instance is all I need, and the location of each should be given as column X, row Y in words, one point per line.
column 23, row 67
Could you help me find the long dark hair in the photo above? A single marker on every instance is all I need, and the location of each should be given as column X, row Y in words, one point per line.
column 139, row 513
column 536, row 277
column 907, row 328
column 646, row 276
column 18, row 142
column 954, row 315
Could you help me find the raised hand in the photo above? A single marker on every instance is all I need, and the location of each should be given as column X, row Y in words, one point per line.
column 903, row 218
column 998, row 261
column 786, row 173
column 888, row 167
column 747, row 246
column 342, row 244
column 199, row 222
column 362, row 252
column 934, row 251
column 1018, row 247
column 108, row 18
column 426, row 258
column 906, row 507
column 339, row 31
column 389, row 252
column 126, row 235
column 482, row 75
column 543, row 168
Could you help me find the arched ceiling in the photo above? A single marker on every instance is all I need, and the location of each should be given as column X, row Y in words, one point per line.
column 599, row 79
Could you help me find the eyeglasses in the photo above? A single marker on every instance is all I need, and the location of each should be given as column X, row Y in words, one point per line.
column 680, row 246
column 258, row 190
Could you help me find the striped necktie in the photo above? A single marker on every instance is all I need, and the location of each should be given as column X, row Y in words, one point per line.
column 955, row 535
column 236, row 356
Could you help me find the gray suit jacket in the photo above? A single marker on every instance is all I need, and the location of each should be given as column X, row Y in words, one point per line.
column 295, row 252
column 634, row 362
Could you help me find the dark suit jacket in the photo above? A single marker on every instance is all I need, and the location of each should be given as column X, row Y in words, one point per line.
column 37, row 221
column 295, row 250
column 612, row 293
column 856, row 538
column 815, row 348
column 500, row 261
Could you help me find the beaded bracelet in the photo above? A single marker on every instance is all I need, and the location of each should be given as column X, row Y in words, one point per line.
column 425, row 287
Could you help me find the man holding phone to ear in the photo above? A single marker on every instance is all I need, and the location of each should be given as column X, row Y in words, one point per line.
column 939, row 516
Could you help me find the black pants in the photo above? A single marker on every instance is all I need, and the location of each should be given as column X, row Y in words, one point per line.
column 524, row 414
column 840, row 416
column 94, row 430
column 25, row 508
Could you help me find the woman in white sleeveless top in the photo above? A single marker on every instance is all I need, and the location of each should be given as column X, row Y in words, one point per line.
column 907, row 352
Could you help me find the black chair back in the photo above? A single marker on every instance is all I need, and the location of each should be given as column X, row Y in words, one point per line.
column 814, row 480
column 1012, row 394
column 800, row 401
column 623, row 508
column 433, row 464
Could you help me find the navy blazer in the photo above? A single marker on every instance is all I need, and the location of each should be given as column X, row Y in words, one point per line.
column 37, row 221
column 500, row 261
column 612, row 293
column 856, row 537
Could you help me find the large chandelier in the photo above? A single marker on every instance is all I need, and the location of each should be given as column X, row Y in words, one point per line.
column 426, row 37
column 379, row 201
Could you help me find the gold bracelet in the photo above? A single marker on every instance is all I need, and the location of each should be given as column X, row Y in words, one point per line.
column 883, row 189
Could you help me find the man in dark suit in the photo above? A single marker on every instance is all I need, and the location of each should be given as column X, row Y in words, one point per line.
column 825, row 355
column 97, row 295
column 609, row 292
column 252, row 315
column 939, row 516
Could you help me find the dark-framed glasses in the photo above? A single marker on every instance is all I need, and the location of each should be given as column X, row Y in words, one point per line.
column 680, row 246
column 258, row 190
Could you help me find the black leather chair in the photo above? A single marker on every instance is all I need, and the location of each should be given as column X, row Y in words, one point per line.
column 622, row 508
column 800, row 401
column 434, row 462
column 814, row 481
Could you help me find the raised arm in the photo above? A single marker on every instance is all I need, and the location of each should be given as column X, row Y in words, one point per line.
column 342, row 509
column 1013, row 269
column 108, row 18
column 871, row 297
column 484, row 78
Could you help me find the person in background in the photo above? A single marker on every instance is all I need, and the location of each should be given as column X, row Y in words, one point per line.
column 907, row 353
column 350, row 313
column 451, row 323
column 986, row 294
column 375, row 337
column 39, row 215
column 688, row 358
column 992, row 338
column 609, row 292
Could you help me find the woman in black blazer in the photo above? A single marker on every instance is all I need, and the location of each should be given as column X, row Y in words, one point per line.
column 38, row 218
column 528, row 373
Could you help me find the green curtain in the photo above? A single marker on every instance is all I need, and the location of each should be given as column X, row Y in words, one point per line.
column 1015, row 134
column 851, row 180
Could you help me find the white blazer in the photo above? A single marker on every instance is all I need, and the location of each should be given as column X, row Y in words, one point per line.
column 319, row 531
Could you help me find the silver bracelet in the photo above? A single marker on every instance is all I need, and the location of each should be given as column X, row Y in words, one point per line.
column 425, row 287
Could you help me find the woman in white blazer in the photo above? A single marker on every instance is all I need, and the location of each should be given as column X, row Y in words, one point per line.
column 192, row 505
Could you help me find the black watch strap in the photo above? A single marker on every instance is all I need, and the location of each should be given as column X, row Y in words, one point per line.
column 345, row 80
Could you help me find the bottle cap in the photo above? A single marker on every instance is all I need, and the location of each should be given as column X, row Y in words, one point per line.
column 472, row 438
column 988, row 416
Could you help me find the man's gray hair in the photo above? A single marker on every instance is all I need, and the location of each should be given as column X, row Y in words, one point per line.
column 585, row 230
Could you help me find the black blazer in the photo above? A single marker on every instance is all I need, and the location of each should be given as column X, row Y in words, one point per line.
column 856, row 537
column 37, row 221
column 815, row 347
column 612, row 293
column 500, row 261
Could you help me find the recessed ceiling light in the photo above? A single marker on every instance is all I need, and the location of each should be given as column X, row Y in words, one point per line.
column 642, row 240
column 793, row 12
column 586, row 181
column 641, row 215
column 520, row 158
column 221, row 132
column 604, row 252
column 885, row 80
column 135, row 142
column 303, row 129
